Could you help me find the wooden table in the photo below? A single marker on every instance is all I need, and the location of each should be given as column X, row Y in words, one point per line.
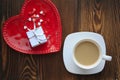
column 101, row 16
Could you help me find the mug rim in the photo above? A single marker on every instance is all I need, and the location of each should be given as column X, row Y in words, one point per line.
column 97, row 61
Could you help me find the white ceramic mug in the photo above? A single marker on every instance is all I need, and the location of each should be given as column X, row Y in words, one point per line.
column 102, row 55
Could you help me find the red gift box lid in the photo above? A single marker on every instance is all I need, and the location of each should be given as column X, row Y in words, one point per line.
column 15, row 35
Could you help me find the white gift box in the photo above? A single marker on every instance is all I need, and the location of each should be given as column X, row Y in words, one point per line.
column 36, row 37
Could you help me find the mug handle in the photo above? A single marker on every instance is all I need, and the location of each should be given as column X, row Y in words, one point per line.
column 106, row 57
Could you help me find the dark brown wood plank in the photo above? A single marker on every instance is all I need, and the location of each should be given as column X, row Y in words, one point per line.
column 16, row 66
column 0, row 42
column 67, row 10
column 53, row 67
column 103, row 16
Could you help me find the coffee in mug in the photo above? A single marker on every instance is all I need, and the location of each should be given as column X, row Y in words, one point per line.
column 86, row 53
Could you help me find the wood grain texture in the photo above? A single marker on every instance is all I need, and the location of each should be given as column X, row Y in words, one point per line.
column 101, row 16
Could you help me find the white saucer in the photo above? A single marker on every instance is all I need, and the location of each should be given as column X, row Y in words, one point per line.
column 70, row 41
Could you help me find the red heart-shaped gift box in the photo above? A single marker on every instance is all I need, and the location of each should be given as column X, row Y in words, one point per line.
column 15, row 35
